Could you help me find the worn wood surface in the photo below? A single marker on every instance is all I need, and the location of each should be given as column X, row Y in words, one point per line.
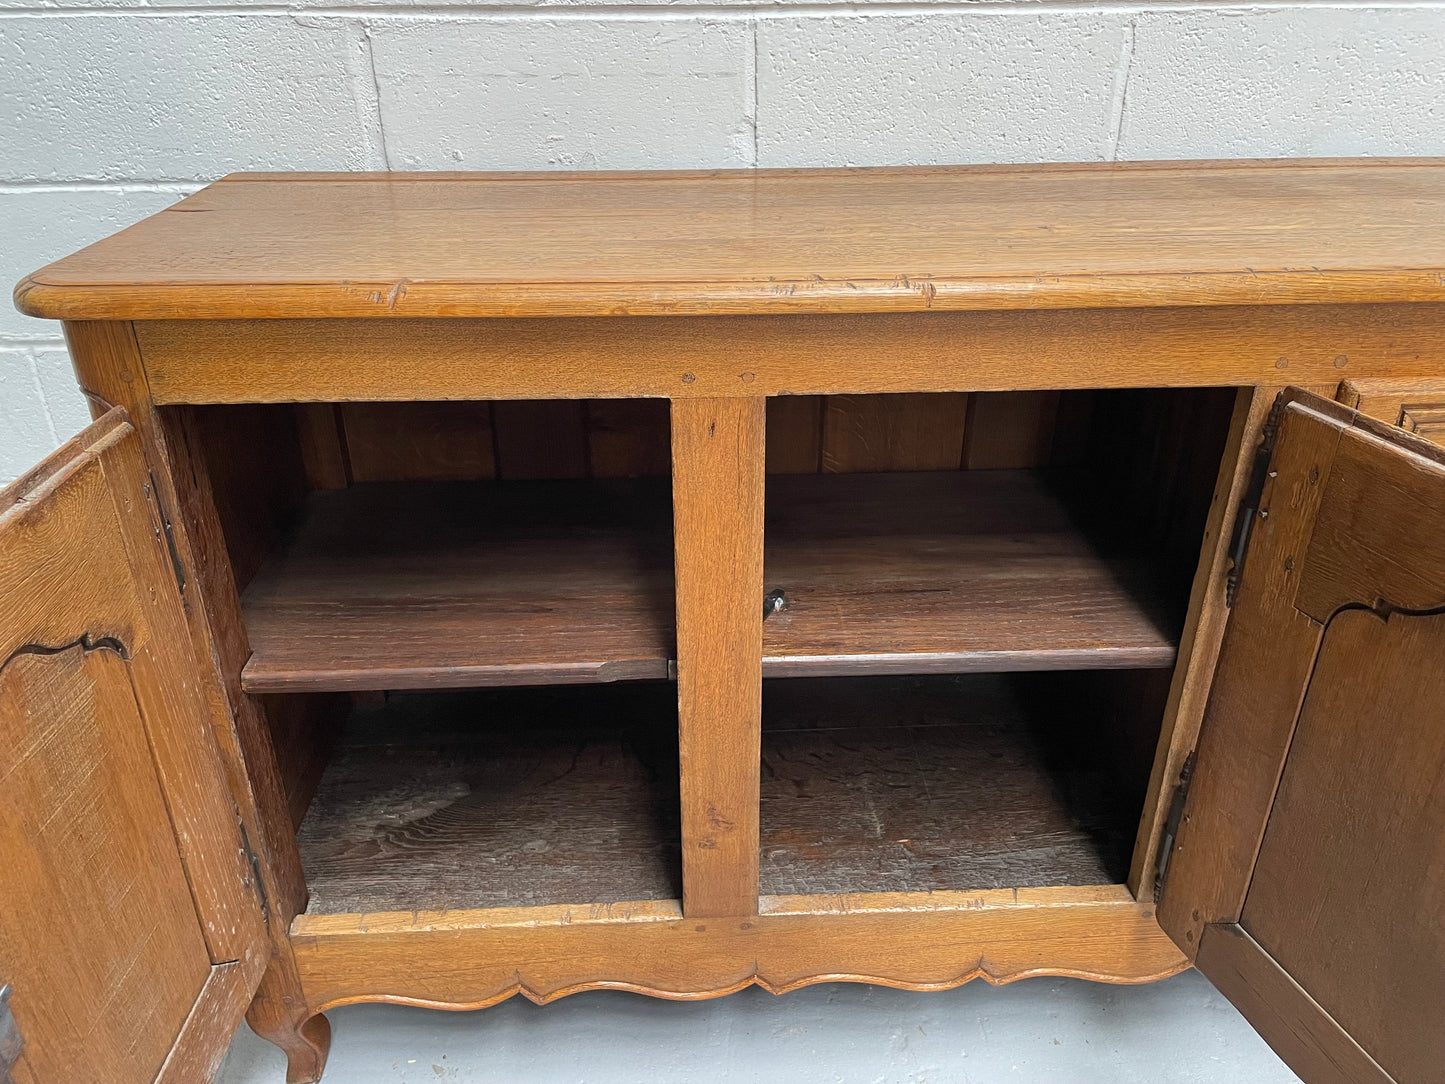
column 1379, row 536
column 950, row 571
column 427, row 585
column 1393, row 399
column 423, row 586
column 500, row 798
column 1010, row 430
column 109, row 365
column 1294, row 1025
column 1345, row 895
column 1309, row 519
column 717, row 479
column 919, row 941
column 1203, row 631
column 125, row 877
column 849, row 240
column 926, row 784
column 436, row 442
column 1263, row 666
column 238, row 361
column 795, row 434
column 864, row 433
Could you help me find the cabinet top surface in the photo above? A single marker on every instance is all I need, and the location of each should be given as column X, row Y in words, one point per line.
column 871, row 240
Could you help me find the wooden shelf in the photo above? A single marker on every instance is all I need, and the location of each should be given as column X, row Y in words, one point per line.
column 935, row 783
column 499, row 798
column 950, row 572
column 466, row 584
column 462, row 584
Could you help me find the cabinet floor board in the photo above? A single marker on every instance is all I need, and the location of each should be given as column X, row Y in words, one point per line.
column 933, row 783
column 499, row 798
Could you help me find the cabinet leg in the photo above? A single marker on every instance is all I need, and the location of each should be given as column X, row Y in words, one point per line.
column 280, row 1015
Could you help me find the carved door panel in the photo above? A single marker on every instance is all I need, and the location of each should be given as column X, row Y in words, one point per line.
column 1307, row 879
column 129, row 929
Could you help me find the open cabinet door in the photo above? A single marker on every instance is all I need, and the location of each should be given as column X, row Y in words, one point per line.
column 1307, row 877
column 130, row 931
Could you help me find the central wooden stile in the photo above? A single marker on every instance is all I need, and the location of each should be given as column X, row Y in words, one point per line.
column 717, row 494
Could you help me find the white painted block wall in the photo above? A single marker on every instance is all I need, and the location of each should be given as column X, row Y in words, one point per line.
column 112, row 109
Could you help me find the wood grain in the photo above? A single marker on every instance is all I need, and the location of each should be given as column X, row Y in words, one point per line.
column 795, row 434
column 969, row 237
column 124, row 865
column 948, row 572
column 1345, row 893
column 893, row 432
column 434, row 585
column 500, row 798
column 1389, row 399
column 221, row 361
column 436, row 442
column 919, row 941
column 1010, row 430
column 717, row 489
column 1400, row 558
column 1294, row 1025
column 1203, row 632
column 1264, row 664
column 932, row 784
column 628, row 438
column 322, row 437
column 99, row 934
column 109, row 365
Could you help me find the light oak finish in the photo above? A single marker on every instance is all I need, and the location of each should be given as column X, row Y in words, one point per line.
column 1392, row 400
column 717, row 486
column 1086, row 353
column 918, row 941
column 234, row 361
column 1363, row 772
column 1301, row 1032
column 437, row 585
column 1311, row 843
column 110, row 371
column 127, row 890
column 872, row 240
column 949, row 572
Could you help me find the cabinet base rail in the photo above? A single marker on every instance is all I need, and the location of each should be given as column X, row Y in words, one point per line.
column 908, row 940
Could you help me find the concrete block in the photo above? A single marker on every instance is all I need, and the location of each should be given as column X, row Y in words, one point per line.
column 38, row 226
column 180, row 96
column 65, row 406
column 1280, row 83
column 601, row 93
column 936, row 88
column 25, row 432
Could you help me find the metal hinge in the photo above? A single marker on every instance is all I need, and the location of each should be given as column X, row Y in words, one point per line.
column 167, row 533
column 1171, row 826
column 1249, row 509
column 257, row 884
column 11, row 1041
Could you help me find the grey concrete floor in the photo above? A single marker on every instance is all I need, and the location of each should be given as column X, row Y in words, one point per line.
column 1043, row 1031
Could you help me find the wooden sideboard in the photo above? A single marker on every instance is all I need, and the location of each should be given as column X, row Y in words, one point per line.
column 482, row 584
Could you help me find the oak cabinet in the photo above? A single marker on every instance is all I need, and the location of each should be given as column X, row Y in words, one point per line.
column 489, row 584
